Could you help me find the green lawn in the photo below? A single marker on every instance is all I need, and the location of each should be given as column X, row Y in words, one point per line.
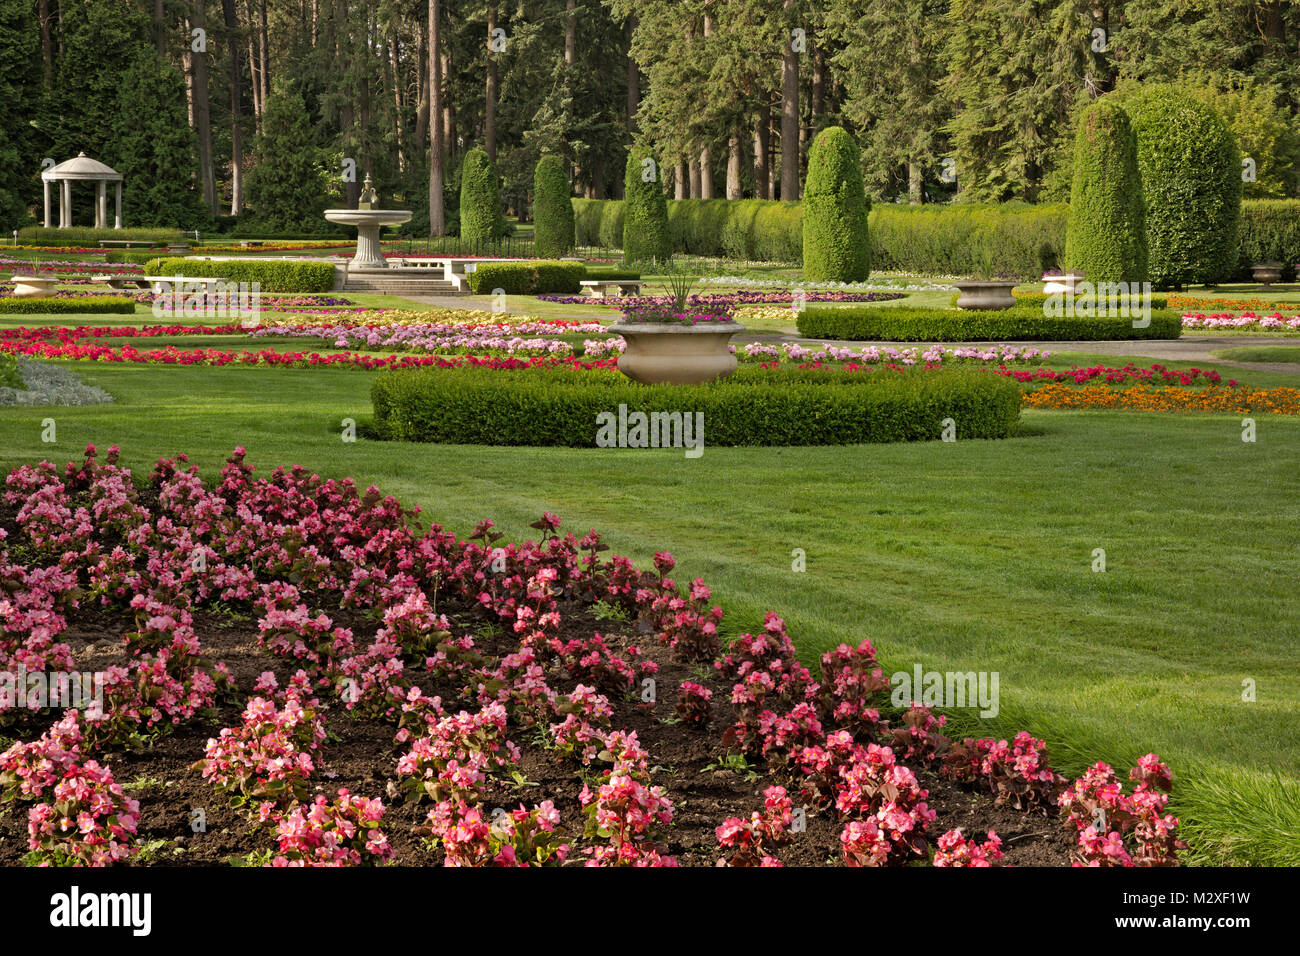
column 966, row 556
column 1262, row 353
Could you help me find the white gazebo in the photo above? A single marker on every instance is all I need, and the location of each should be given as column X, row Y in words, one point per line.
column 82, row 167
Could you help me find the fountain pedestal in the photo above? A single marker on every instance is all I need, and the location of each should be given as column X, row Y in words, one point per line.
column 368, row 223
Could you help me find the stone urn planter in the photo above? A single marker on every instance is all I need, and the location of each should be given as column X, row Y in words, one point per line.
column 1062, row 285
column 666, row 353
column 1266, row 273
column 33, row 287
column 985, row 294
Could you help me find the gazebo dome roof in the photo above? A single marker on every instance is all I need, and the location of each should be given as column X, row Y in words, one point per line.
column 82, row 167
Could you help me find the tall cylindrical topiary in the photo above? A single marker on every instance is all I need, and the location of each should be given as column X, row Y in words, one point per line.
column 835, row 247
column 480, row 198
column 552, row 210
column 1105, row 237
column 1191, row 183
column 645, row 210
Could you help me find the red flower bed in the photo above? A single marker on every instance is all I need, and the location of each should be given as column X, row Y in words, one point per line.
column 322, row 681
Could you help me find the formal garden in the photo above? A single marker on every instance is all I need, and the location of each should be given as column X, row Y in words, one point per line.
column 450, row 477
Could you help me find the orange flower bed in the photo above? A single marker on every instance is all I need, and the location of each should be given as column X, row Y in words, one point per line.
column 1280, row 401
column 1198, row 303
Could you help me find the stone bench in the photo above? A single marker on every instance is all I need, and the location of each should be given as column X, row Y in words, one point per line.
column 122, row 282
column 600, row 288
column 159, row 284
column 250, row 243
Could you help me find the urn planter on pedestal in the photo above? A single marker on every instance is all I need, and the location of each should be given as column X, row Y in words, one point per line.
column 33, row 287
column 1266, row 273
column 675, row 354
column 985, row 294
column 1061, row 284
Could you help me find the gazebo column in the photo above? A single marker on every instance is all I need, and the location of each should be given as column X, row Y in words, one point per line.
column 117, row 223
column 65, row 204
column 46, row 184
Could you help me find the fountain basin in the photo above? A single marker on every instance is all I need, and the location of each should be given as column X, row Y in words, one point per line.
column 368, row 223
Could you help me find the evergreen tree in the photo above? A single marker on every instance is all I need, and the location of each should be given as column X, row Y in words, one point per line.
column 552, row 210
column 20, row 94
column 835, row 246
column 288, row 186
column 1265, row 127
column 99, row 40
column 154, row 148
column 1014, row 71
column 480, row 198
column 645, row 207
column 890, row 66
column 1106, row 233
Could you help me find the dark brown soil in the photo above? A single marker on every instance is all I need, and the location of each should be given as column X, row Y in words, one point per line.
column 360, row 755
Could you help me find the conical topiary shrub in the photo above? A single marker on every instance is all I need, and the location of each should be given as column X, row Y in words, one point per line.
column 552, row 210
column 645, row 207
column 835, row 247
column 1191, row 186
column 480, row 198
column 1105, row 237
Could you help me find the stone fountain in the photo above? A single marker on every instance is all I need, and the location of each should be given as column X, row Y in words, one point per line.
column 368, row 218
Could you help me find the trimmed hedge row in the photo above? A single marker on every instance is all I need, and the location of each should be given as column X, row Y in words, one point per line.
column 1270, row 231
column 527, row 278
column 953, row 239
column 98, row 305
column 80, row 235
column 272, row 275
column 752, row 407
column 1021, row 323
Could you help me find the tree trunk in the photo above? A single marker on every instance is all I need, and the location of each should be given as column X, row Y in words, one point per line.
column 681, row 189
column 47, row 42
column 202, row 114
column 761, row 174
column 393, row 72
column 265, row 53
column 422, row 84
column 789, row 114
column 490, row 103
column 693, row 172
column 570, row 32
column 633, row 80
column 231, row 17
column 734, row 160
column 437, row 220
column 448, row 110
column 915, row 193
column 773, row 172
column 159, row 27
column 254, row 86
column 817, row 107
column 706, row 173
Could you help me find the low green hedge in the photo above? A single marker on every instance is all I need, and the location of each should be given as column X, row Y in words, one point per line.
column 1021, row 323
column 611, row 273
column 49, row 305
column 134, row 256
column 1036, row 300
column 272, row 275
column 753, row 407
column 83, row 235
column 527, row 278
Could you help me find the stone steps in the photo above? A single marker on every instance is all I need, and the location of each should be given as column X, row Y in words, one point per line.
column 406, row 287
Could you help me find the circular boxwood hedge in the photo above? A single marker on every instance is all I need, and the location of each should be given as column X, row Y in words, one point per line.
column 645, row 211
column 1191, row 183
column 552, row 210
column 1105, row 237
column 480, row 198
column 542, row 406
column 835, row 244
